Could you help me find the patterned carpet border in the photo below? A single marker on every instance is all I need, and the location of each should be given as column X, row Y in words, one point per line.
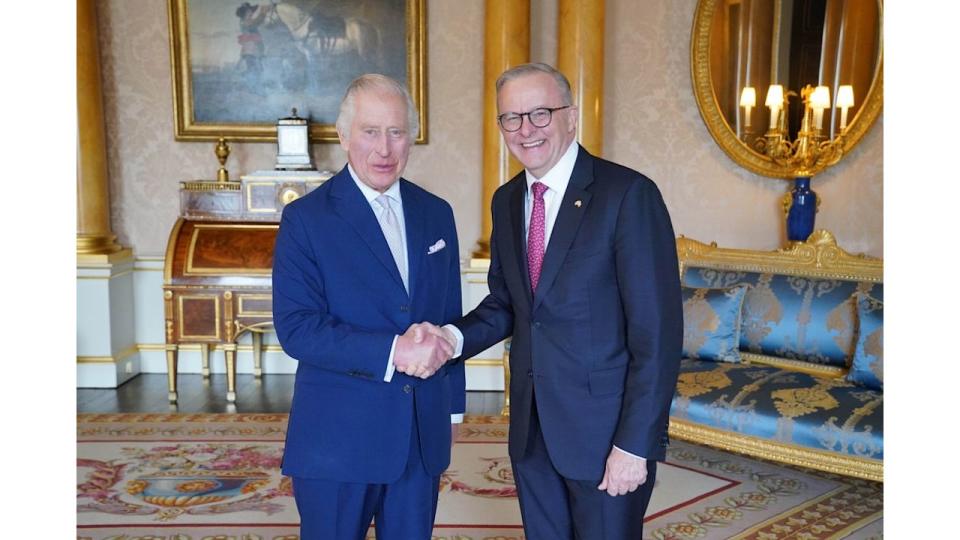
column 850, row 508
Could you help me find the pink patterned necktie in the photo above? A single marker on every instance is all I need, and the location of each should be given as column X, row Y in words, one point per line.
column 536, row 235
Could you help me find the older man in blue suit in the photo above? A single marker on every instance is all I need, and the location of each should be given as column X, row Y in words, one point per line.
column 583, row 275
column 357, row 261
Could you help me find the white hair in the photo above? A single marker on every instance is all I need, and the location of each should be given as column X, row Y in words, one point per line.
column 375, row 81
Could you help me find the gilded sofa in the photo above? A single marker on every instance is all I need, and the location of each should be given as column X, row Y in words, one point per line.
column 782, row 392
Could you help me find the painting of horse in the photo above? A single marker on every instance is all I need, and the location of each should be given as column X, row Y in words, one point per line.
column 241, row 65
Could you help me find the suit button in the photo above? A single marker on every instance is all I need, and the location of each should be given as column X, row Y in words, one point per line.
column 407, row 389
column 404, row 308
column 536, row 324
column 529, row 373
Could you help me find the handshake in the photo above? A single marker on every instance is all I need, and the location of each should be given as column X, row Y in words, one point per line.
column 423, row 349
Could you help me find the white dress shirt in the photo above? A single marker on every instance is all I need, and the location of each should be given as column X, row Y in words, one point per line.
column 394, row 193
column 556, row 181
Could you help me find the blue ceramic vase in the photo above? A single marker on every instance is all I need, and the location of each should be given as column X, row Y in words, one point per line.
column 803, row 210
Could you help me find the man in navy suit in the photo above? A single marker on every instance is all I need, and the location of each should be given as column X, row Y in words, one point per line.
column 584, row 276
column 357, row 261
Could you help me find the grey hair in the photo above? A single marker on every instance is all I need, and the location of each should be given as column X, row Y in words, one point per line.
column 531, row 69
column 375, row 81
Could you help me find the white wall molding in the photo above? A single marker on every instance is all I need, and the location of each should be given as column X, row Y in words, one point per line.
column 107, row 355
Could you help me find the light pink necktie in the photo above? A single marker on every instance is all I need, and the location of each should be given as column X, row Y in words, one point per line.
column 536, row 235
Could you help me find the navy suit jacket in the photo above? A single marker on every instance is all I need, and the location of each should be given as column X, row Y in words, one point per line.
column 338, row 302
column 600, row 342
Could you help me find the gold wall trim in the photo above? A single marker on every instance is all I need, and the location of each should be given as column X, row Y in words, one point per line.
column 477, row 265
column 104, row 260
column 120, row 357
column 833, row 372
column 869, row 469
column 108, row 277
column 479, row 362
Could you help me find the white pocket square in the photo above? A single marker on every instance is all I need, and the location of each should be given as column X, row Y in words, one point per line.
column 436, row 247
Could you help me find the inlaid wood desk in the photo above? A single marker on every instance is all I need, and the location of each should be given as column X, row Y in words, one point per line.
column 219, row 263
column 217, row 285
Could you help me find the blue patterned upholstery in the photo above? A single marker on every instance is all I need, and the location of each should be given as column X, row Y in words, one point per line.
column 793, row 317
column 781, row 405
column 867, row 368
column 711, row 323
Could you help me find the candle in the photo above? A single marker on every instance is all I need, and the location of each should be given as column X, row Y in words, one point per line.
column 774, row 102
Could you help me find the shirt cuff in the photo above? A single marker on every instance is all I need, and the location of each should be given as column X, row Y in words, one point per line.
column 629, row 454
column 456, row 418
column 458, row 350
column 390, row 367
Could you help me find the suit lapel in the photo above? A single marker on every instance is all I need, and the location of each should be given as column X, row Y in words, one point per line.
column 516, row 215
column 415, row 223
column 568, row 222
column 355, row 210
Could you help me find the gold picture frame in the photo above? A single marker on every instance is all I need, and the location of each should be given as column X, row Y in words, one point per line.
column 236, row 66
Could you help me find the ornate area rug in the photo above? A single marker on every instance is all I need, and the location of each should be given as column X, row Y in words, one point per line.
column 206, row 476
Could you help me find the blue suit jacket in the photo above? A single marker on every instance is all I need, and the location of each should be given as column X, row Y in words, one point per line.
column 338, row 302
column 601, row 340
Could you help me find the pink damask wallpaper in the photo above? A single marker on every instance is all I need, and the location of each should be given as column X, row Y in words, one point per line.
column 652, row 124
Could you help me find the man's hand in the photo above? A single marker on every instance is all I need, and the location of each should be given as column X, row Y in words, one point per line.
column 624, row 473
column 422, row 330
column 421, row 357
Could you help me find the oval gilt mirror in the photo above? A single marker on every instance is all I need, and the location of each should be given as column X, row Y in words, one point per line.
column 753, row 44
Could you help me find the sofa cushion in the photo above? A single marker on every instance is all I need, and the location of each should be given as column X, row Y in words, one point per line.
column 711, row 323
column 780, row 405
column 794, row 317
column 867, row 367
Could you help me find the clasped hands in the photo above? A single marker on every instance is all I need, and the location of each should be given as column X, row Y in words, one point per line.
column 423, row 349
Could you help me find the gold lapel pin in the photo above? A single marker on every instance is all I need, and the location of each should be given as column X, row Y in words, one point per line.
column 577, row 203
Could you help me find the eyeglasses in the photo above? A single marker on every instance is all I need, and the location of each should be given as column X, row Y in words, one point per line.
column 540, row 118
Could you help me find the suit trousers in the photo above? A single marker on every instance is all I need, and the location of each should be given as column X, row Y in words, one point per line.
column 401, row 510
column 558, row 508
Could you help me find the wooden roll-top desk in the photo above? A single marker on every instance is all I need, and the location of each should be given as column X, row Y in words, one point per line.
column 217, row 272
